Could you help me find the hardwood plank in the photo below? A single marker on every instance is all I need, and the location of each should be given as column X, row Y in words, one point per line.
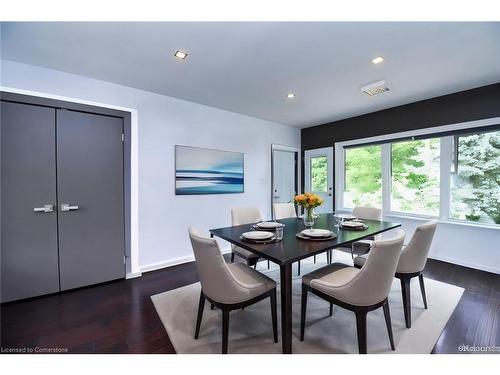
column 119, row 317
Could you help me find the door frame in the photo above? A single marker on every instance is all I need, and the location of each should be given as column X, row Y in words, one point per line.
column 130, row 158
column 328, row 151
column 277, row 147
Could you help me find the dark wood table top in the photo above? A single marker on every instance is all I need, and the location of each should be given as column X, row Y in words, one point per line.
column 291, row 248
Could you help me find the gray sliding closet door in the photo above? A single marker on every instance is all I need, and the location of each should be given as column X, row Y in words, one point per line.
column 29, row 262
column 90, row 184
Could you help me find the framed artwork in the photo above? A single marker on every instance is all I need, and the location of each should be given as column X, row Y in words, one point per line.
column 205, row 171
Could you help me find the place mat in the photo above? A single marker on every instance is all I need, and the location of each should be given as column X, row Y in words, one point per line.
column 260, row 242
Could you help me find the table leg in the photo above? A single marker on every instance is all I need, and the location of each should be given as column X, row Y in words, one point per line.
column 286, row 307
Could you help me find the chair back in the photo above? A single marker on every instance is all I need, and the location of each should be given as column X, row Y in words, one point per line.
column 373, row 282
column 245, row 215
column 217, row 281
column 368, row 213
column 414, row 255
column 284, row 210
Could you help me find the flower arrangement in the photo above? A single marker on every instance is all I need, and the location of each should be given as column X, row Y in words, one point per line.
column 309, row 201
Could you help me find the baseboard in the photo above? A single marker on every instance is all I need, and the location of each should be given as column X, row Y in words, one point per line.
column 173, row 262
column 476, row 266
column 133, row 275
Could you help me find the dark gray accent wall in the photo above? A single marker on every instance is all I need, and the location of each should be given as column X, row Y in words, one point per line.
column 474, row 104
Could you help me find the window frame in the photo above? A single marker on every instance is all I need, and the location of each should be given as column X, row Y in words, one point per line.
column 446, row 161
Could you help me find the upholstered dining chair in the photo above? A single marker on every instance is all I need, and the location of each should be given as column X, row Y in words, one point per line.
column 358, row 290
column 228, row 286
column 368, row 213
column 241, row 216
column 411, row 264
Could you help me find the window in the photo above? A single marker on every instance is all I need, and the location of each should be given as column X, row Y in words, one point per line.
column 451, row 175
column 475, row 178
column 363, row 177
column 319, row 173
column 415, row 168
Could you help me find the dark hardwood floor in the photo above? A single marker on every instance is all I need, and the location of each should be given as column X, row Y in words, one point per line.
column 119, row 317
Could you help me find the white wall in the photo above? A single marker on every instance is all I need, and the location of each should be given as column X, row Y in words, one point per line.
column 464, row 244
column 162, row 123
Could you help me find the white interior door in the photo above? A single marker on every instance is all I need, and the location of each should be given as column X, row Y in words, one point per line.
column 318, row 167
column 284, row 176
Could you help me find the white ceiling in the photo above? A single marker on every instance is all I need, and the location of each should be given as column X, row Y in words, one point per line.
column 250, row 67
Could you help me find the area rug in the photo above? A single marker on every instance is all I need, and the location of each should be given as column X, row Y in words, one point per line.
column 250, row 330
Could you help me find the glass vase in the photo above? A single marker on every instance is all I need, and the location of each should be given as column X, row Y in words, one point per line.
column 309, row 217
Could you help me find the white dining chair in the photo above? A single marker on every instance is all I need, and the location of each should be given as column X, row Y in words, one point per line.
column 283, row 211
column 228, row 286
column 367, row 213
column 242, row 216
column 358, row 290
column 411, row 264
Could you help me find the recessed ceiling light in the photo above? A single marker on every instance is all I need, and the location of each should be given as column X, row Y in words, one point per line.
column 290, row 95
column 378, row 60
column 181, row 55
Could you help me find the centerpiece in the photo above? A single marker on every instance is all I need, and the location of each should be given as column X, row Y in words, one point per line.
column 308, row 201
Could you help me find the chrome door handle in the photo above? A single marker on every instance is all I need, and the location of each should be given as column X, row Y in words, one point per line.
column 67, row 207
column 45, row 208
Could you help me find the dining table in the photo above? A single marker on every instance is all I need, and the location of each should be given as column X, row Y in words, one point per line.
column 291, row 249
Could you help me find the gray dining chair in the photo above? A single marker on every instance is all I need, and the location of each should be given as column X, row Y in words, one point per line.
column 228, row 286
column 242, row 216
column 411, row 264
column 358, row 290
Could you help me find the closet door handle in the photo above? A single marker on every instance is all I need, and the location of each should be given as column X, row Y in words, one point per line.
column 67, row 207
column 45, row 208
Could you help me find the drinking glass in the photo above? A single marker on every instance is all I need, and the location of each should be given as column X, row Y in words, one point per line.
column 279, row 233
column 336, row 221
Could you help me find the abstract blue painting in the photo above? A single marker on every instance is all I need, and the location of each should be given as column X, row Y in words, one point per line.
column 205, row 171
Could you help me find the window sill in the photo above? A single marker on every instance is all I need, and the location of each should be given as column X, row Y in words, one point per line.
column 438, row 220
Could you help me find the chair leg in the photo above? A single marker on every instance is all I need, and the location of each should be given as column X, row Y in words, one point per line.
column 274, row 316
column 361, row 328
column 329, row 256
column 352, row 253
column 255, row 266
column 232, row 257
column 387, row 316
column 405, row 290
column 268, row 265
column 201, row 305
column 422, row 288
column 212, row 307
column 303, row 312
column 298, row 269
column 225, row 330
column 314, row 257
column 331, row 308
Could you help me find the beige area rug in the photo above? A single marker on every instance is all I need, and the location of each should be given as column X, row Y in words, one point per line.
column 250, row 330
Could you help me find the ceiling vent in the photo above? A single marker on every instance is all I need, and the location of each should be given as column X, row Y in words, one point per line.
column 375, row 88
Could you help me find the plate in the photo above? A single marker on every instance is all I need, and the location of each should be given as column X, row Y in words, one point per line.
column 257, row 235
column 316, row 233
column 268, row 225
column 345, row 216
column 303, row 237
column 354, row 225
